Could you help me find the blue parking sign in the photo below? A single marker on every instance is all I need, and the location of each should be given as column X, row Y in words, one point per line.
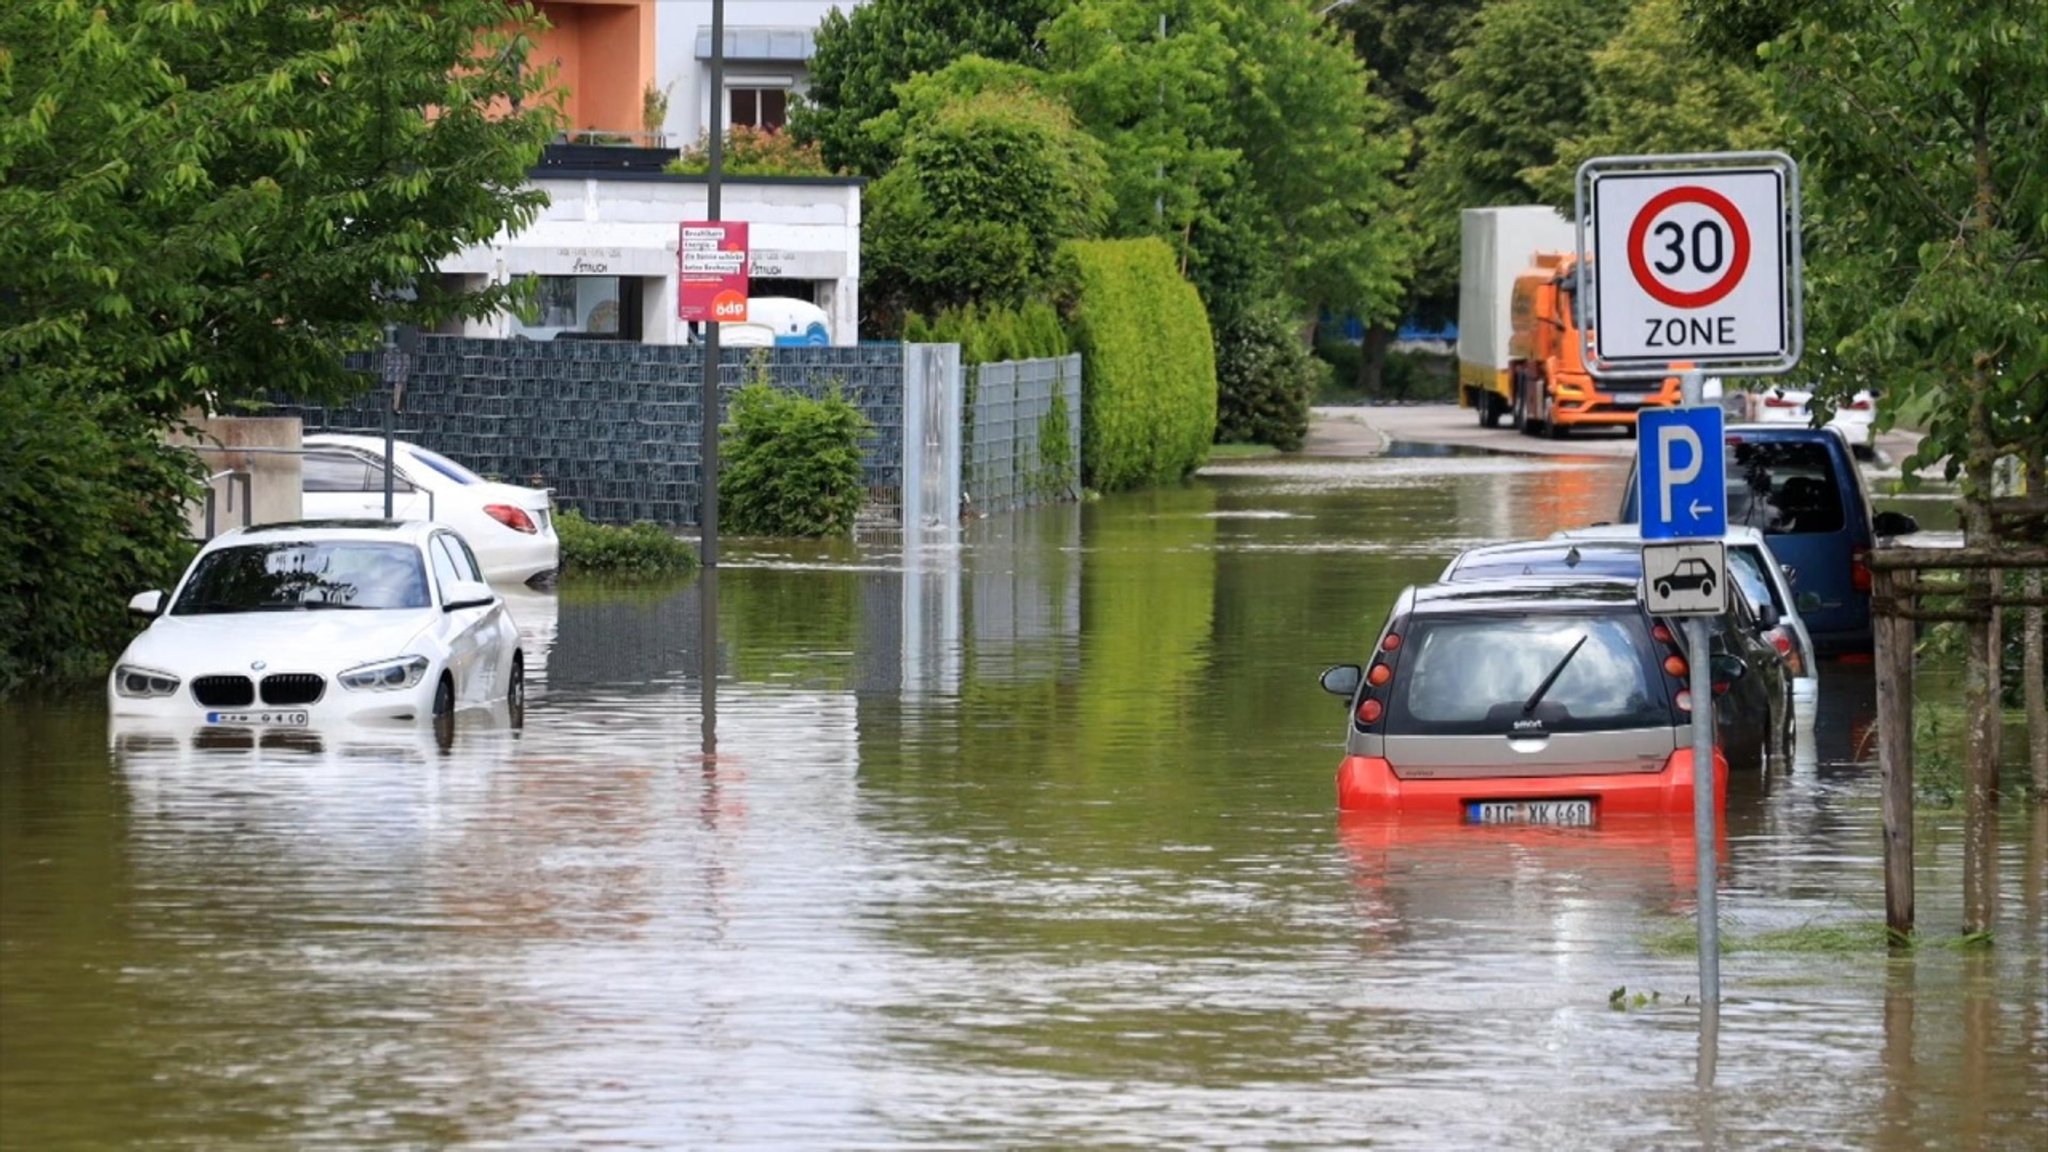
column 1681, row 473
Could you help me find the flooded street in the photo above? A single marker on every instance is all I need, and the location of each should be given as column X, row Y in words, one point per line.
column 1029, row 844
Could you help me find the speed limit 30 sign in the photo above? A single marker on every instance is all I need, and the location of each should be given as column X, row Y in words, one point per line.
column 1691, row 264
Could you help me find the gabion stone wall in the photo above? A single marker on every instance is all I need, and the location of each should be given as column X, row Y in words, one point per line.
column 611, row 426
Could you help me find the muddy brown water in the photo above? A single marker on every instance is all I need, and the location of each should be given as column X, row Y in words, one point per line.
column 1025, row 844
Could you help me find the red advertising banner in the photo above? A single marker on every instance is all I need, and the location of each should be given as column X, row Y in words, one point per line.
column 711, row 270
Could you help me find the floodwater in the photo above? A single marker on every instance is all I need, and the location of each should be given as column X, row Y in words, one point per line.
column 1025, row 844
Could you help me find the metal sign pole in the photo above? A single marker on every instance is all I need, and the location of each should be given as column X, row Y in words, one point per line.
column 707, row 591
column 1698, row 640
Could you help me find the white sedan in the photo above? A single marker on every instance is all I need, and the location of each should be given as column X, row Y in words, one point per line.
column 291, row 625
column 512, row 528
column 1787, row 404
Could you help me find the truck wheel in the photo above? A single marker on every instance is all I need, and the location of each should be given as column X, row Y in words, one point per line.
column 1554, row 428
column 1521, row 408
column 1489, row 406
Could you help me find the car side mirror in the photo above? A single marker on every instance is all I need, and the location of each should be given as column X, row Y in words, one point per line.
column 1890, row 523
column 1343, row 680
column 462, row 594
column 1767, row 617
column 1727, row 668
column 149, row 604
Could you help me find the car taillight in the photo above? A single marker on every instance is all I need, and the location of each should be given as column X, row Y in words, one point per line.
column 1782, row 643
column 1675, row 666
column 1683, row 700
column 511, row 516
column 1859, row 569
column 1379, row 675
column 1780, row 402
column 1860, row 406
column 1392, row 643
column 1370, row 711
column 1660, row 633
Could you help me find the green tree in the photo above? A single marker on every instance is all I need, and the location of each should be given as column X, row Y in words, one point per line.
column 207, row 202
column 1654, row 91
column 992, row 178
column 863, row 55
column 1519, row 88
column 201, row 204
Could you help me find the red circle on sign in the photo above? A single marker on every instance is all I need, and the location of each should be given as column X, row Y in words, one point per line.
column 1714, row 202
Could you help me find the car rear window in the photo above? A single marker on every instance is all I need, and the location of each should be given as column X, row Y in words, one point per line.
column 445, row 466
column 1552, row 562
column 1785, row 487
column 1475, row 674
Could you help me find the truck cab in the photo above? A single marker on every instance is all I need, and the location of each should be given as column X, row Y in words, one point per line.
column 1552, row 390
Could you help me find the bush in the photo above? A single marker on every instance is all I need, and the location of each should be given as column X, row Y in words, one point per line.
column 794, row 463
column 92, row 510
column 1148, row 397
column 755, row 152
column 989, row 183
column 1266, row 378
column 633, row 550
column 994, row 334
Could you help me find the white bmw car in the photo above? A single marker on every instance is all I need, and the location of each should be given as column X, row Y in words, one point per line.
column 511, row 527
column 290, row 625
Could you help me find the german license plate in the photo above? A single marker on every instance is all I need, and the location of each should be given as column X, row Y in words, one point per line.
column 1564, row 813
column 280, row 719
column 1630, row 400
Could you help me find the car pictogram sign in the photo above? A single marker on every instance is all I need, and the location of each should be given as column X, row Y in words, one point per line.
column 1686, row 579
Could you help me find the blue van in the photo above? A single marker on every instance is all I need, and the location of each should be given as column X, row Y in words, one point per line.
column 1801, row 488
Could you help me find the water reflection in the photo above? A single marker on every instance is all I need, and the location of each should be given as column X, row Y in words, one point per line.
column 1028, row 842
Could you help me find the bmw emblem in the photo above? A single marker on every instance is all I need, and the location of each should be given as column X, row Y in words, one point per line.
column 258, row 666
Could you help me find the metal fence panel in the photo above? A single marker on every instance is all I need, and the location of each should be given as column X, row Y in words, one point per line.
column 1007, row 465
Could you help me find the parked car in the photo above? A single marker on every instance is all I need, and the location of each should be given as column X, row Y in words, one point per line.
column 1792, row 406
column 511, row 528
column 1531, row 700
column 1802, row 489
column 1757, row 572
column 289, row 625
column 1752, row 630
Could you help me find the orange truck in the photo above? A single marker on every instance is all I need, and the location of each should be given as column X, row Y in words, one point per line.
column 1518, row 330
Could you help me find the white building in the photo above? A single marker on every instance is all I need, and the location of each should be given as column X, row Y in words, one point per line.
column 604, row 251
column 768, row 45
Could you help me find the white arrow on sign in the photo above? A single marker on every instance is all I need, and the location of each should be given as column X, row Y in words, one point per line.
column 1699, row 510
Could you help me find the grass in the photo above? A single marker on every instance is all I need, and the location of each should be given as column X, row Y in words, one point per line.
column 1241, row 451
column 1812, row 939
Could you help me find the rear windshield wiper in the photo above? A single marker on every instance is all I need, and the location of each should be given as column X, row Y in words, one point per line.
column 1536, row 697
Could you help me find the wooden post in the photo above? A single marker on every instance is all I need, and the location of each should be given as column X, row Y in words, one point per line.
column 1892, row 634
column 2035, row 681
column 1981, row 720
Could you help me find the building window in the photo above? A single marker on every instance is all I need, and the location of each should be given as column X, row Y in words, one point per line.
column 766, row 108
column 582, row 307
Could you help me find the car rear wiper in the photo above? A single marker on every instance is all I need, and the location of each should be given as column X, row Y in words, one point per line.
column 1536, row 697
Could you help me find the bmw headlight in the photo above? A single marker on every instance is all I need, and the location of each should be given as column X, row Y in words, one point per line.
column 385, row 675
column 141, row 683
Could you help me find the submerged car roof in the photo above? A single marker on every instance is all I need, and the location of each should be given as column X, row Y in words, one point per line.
column 330, row 530
column 1522, row 593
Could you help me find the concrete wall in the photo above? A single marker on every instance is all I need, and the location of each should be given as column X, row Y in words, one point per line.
column 274, row 487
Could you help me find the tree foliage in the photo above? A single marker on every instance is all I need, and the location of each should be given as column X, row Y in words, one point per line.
column 203, row 202
column 750, row 151
column 1256, row 96
column 1654, row 91
column 1922, row 128
column 794, row 463
column 992, row 178
column 1519, row 87
column 862, row 56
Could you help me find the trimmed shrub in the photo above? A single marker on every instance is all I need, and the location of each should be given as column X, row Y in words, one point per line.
column 92, row 511
column 1266, row 378
column 1148, row 398
column 632, row 550
column 992, row 334
column 751, row 151
column 794, row 463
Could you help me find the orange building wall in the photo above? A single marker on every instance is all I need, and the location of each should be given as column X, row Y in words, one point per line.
column 604, row 60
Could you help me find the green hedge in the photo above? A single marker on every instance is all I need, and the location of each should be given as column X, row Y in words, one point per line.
column 634, row 550
column 1148, row 396
column 993, row 334
column 92, row 511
